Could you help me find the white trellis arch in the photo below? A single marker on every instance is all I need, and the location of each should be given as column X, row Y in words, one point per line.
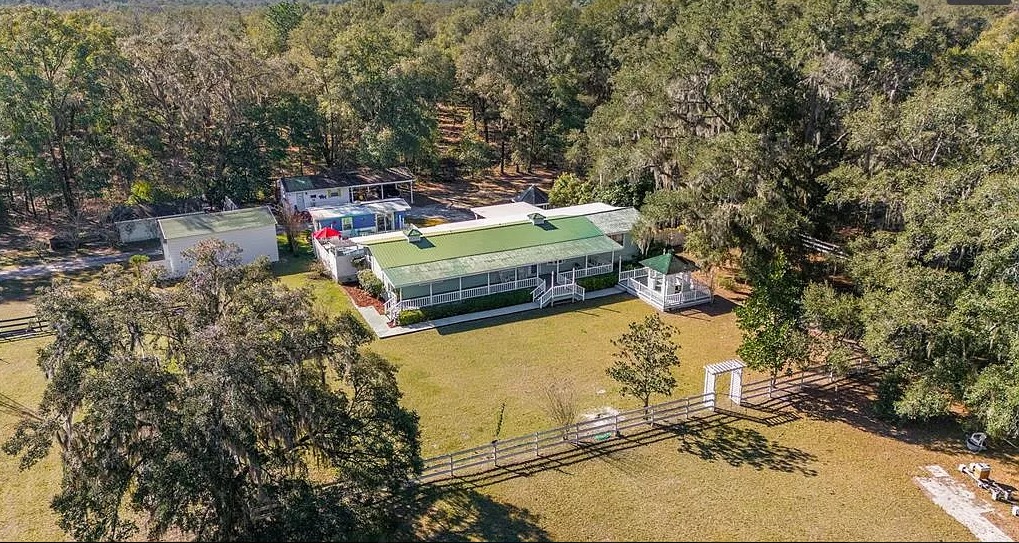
column 735, row 370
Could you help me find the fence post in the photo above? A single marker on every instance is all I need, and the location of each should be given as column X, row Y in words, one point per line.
column 802, row 373
column 615, row 425
column 537, row 453
column 686, row 412
column 451, row 465
column 651, row 410
column 495, row 452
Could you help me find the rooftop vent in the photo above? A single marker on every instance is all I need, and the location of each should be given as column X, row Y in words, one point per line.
column 413, row 234
column 536, row 218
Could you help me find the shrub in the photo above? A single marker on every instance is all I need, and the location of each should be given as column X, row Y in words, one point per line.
column 318, row 270
column 599, row 282
column 472, row 305
column 889, row 390
column 370, row 283
column 411, row 316
column 728, row 284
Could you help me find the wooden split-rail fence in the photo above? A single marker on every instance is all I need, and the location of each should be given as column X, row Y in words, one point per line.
column 23, row 328
column 527, row 448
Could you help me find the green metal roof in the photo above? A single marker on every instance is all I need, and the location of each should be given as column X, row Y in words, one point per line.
column 214, row 223
column 480, row 241
column 668, row 264
column 618, row 221
column 428, row 272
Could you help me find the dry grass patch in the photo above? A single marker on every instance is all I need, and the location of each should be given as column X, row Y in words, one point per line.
column 25, row 495
column 833, row 472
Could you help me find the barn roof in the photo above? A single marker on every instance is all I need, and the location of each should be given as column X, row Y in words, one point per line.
column 215, row 223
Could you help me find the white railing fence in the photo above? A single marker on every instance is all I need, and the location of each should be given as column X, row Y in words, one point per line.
column 506, row 452
column 538, row 291
column 570, row 276
column 698, row 293
column 558, row 292
column 393, row 308
column 822, row 247
column 632, row 274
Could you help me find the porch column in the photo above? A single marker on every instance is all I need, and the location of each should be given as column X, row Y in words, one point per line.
column 429, row 292
column 461, row 287
column 412, row 192
column 585, row 262
column 665, row 290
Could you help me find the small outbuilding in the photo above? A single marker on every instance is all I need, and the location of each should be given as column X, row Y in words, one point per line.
column 251, row 229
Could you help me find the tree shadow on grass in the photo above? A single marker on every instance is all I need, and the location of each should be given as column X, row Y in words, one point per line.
column 746, row 447
column 457, row 514
column 853, row 405
column 25, row 288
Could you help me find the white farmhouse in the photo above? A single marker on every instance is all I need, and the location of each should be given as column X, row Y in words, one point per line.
column 252, row 229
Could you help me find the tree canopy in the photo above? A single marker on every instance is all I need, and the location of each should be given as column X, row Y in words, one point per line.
column 888, row 126
column 225, row 408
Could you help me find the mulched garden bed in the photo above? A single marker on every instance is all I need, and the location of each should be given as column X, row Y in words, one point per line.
column 363, row 299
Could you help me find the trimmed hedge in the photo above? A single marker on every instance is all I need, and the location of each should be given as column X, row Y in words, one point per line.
column 471, row 305
column 369, row 283
column 599, row 282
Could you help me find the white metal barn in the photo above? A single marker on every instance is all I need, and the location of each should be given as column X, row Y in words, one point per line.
column 252, row 229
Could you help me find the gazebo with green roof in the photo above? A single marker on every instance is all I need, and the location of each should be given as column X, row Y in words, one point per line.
column 666, row 282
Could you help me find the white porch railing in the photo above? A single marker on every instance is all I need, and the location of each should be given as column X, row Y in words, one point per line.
column 393, row 307
column 698, row 294
column 538, row 291
column 685, row 297
column 632, row 274
column 571, row 290
column 568, row 276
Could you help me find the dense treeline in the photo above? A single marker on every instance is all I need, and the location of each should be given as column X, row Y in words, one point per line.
column 886, row 125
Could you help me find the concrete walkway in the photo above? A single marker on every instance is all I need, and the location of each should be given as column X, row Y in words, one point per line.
column 71, row 265
column 380, row 325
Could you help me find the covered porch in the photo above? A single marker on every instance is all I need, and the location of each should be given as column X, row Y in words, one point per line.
column 547, row 281
column 666, row 283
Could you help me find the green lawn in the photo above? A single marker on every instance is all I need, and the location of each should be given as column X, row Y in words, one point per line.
column 460, row 379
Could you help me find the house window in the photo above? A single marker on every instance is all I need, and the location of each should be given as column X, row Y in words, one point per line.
column 334, row 194
column 348, row 223
column 618, row 238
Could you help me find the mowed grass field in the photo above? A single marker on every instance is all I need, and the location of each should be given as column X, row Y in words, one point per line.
column 24, row 495
column 478, row 381
column 829, row 474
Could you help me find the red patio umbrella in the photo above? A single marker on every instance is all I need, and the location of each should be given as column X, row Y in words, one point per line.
column 327, row 232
